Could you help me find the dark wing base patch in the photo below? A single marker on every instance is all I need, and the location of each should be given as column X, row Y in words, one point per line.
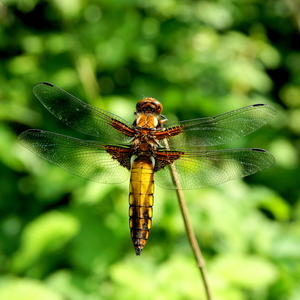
column 164, row 158
column 121, row 154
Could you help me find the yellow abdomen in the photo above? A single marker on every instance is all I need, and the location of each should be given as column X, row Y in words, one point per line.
column 141, row 201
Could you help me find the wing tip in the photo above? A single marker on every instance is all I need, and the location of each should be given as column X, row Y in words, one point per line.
column 23, row 135
column 46, row 83
column 42, row 83
column 270, row 155
column 31, row 130
column 266, row 105
column 34, row 130
column 258, row 149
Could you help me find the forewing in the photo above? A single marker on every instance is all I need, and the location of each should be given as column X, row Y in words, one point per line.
column 81, row 116
column 87, row 159
column 199, row 169
column 221, row 129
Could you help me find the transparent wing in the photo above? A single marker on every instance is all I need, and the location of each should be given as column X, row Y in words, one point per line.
column 87, row 159
column 198, row 169
column 81, row 116
column 221, row 129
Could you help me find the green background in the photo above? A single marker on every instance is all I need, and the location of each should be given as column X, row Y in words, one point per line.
column 62, row 237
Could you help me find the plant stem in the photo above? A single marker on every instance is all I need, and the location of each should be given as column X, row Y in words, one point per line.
column 189, row 229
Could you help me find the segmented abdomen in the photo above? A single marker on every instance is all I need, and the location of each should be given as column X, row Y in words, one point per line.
column 141, row 201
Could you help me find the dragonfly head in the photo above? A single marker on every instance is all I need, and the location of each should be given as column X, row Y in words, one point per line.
column 149, row 105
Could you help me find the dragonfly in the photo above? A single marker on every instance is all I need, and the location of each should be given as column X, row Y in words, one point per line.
column 147, row 149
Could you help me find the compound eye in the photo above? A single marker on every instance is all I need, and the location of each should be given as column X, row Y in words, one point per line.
column 149, row 105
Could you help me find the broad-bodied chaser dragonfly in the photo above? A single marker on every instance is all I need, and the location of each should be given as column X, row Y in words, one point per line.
column 147, row 147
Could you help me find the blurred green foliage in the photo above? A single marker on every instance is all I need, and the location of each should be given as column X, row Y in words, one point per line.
column 62, row 237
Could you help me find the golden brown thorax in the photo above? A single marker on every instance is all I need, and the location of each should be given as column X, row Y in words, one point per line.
column 147, row 113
